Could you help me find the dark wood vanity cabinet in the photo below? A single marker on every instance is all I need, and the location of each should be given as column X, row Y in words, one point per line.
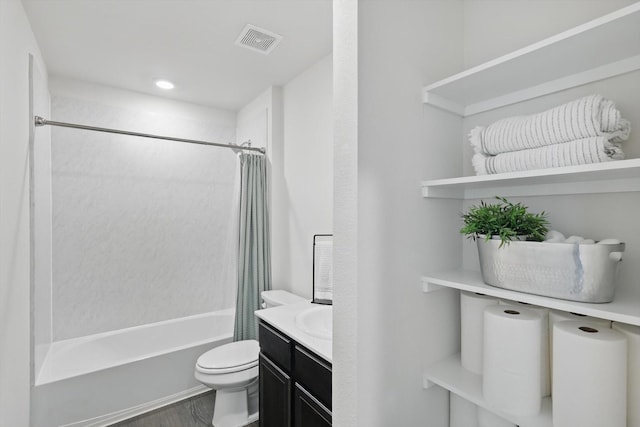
column 295, row 383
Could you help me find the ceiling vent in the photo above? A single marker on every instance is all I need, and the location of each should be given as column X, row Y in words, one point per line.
column 258, row 39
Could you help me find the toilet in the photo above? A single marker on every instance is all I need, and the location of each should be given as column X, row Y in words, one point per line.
column 232, row 370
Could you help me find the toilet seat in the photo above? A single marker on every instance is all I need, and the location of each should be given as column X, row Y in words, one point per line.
column 233, row 357
column 214, row 371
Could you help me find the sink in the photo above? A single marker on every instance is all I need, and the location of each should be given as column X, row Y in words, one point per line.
column 316, row 321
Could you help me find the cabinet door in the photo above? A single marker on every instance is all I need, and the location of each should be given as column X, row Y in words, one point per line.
column 275, row 395
column 314, row 374
column 309, row 412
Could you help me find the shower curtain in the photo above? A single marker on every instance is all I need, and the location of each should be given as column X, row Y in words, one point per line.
column 254, row 256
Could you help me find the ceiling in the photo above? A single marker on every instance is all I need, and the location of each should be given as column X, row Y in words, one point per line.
column 130, row 43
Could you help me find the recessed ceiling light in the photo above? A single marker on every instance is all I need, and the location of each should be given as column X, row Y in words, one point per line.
column 164, row 84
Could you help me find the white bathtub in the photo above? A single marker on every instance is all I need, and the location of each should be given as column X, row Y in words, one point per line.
column 101, row 379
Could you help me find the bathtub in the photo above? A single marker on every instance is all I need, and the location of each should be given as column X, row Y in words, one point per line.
column 101, row 379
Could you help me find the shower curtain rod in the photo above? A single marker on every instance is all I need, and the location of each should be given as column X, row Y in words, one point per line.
column 39, row 121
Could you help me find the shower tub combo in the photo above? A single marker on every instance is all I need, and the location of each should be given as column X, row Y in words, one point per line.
column 104, row 378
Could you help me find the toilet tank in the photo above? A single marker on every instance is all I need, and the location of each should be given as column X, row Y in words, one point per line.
column 278, row 297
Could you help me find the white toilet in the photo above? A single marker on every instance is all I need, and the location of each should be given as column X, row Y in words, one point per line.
column 232, row 370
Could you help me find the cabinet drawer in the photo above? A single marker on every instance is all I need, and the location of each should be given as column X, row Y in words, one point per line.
column 275, row 345
column 309, row 412
column 314, row 373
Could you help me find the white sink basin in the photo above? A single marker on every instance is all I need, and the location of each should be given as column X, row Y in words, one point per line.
column 316, row 321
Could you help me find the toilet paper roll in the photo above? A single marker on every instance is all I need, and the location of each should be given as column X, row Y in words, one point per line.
column 560, row 316
column 546, row 352
column 632, row 333
column 486, row 418
column 471, row 329
column 512, row 360
column 462, row 413
column 590, row 376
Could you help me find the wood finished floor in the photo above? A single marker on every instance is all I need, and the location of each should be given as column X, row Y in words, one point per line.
column 194, row 412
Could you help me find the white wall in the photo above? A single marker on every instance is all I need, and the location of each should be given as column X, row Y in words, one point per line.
column 308, row 174
column 16, row 43
column 258, row 120
column 345, row 211
column 160, row 106
column 400, row 46
column 141, row 227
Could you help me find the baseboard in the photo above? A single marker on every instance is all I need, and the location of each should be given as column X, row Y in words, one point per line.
column 115, row 417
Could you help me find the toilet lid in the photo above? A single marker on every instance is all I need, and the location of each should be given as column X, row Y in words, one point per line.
column 235, row 354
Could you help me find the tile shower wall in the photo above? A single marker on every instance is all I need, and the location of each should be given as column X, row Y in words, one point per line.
column 141, row 227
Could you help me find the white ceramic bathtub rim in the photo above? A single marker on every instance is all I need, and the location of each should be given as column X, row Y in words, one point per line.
column 61, row 363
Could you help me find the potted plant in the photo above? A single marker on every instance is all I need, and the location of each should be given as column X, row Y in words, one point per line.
column 506, row 220
column 572, row 271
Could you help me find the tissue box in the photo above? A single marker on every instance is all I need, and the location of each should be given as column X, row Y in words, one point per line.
column 575, row 272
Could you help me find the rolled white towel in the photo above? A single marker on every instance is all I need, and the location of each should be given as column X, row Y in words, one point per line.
column 554, row 236
column 573, row 153
column 586, row 117
column 574, row 239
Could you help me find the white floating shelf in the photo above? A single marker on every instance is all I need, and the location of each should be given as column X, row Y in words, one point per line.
column 450, row 374
column 605, row 47
column 623, row 308
column 608, row 177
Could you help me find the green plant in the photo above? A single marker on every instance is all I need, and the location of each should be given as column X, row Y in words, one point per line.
column 504, row 219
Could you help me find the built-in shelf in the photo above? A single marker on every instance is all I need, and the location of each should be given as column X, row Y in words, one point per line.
column 608, row 177
column 450, row 374
column 605, row 47
column 624, row 308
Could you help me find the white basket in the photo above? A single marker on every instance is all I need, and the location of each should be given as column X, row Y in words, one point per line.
column 570, row 271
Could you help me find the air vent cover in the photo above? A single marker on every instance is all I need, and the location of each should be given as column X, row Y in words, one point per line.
column 258, row 39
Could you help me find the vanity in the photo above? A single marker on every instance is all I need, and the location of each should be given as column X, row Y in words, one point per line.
column 295, row 365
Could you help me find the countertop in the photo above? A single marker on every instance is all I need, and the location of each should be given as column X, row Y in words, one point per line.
column 283, row 319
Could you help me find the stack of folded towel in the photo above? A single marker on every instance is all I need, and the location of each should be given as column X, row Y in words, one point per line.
column 587, row 130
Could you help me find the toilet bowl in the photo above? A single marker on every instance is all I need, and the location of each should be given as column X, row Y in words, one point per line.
column 232, row 370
